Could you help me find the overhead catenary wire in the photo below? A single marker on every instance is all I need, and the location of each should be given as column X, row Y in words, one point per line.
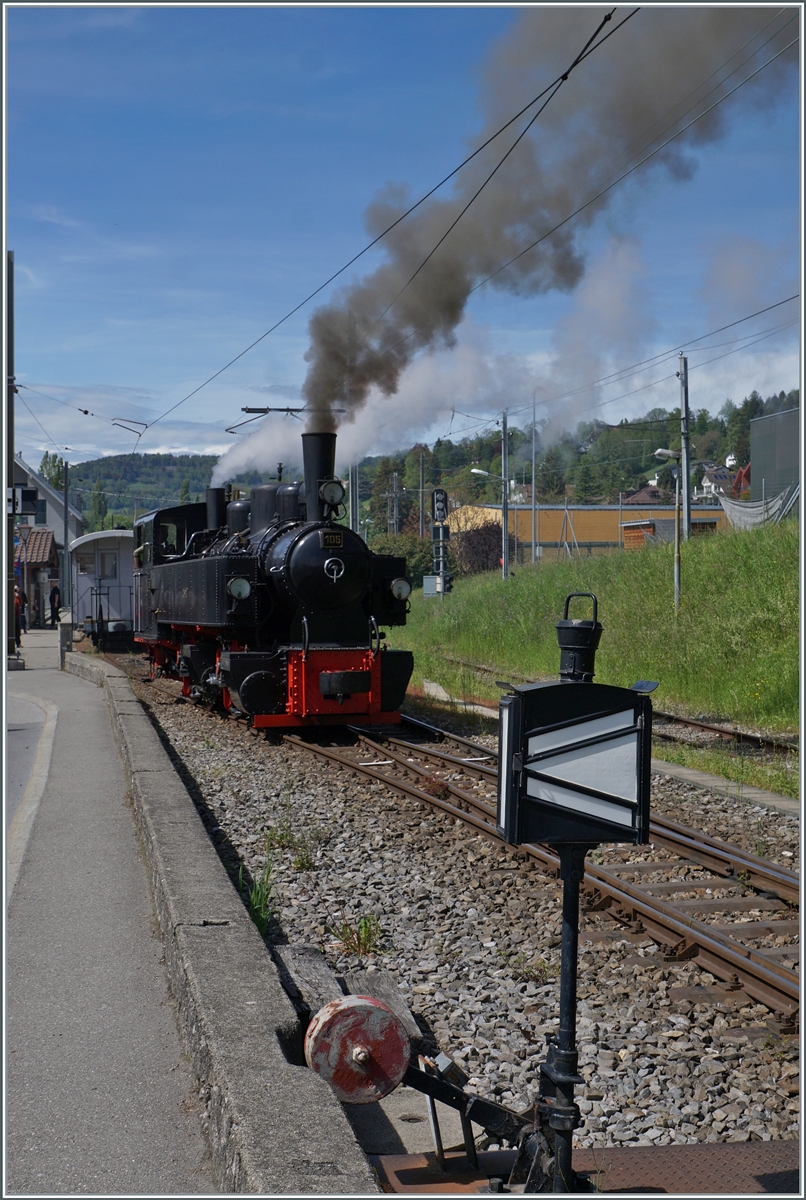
column 608, row 187
column 555, row 89
column 66, row 403
column 409, row 211
column 615, row 376
column 634, row 167
column 386, row 231
column 694, row 367
column 643, row 136
column 41, row 426
column 489, row 422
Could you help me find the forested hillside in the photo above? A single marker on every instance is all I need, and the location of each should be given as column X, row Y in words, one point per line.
column 590, row 465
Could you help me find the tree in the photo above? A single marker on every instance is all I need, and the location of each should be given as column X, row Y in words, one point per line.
column 184, row 492
column 416, row 550
column 479, row 549
column 551, row 476
column 96, row 514
column 52, row 468
column 587, row 481
column 701, row 424
column 738, row 427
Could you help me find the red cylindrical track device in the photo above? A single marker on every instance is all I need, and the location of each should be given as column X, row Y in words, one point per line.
column 360, row 1047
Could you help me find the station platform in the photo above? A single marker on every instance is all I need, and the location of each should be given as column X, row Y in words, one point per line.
column 100, row 1097
column 147, row 1030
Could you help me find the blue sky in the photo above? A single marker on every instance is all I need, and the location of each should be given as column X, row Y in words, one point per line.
column 179, row 178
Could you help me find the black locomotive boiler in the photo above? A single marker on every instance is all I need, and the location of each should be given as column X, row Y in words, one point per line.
column 270, row 608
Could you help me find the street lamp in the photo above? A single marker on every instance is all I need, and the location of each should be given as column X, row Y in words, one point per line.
column 504, row 518
column 675, row 456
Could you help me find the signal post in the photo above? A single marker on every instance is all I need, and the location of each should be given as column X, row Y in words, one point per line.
column 574, row 774
column 440, row 536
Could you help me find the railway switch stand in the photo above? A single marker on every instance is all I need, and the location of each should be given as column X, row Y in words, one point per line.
column 574, row 773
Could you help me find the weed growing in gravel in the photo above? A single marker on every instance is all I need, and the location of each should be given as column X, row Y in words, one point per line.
column 361, row 938
column 303, row 860
column 284, row 835
column 535, row 971
column 281, row 836
column 259, row 896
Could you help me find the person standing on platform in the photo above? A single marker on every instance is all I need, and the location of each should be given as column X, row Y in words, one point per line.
column 17, row 617
column 23, row 611
column 55, row 601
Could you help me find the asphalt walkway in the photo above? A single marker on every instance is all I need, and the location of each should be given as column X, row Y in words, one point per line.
column 100, row 1098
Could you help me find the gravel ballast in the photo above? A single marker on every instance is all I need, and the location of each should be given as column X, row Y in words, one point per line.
column 472, row 937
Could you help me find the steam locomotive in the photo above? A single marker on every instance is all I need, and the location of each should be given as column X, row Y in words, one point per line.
column 271, row 609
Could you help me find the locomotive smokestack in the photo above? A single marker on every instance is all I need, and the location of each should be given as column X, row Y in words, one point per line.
column 319, row 461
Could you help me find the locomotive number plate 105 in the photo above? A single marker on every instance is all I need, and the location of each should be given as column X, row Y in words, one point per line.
column 331, row 539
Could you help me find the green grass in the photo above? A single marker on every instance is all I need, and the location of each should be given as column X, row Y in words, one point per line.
column 360, row 938
column 258, row 896
column 286, row 835
column 779, row 776
column 732, row 652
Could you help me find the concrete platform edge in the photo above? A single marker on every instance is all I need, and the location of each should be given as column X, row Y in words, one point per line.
column 273, row 1127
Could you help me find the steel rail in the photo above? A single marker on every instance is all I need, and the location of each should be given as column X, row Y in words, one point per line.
column 722, row 857
column 742, row 967
column 780, row 745
column 735, row 735
column 710, row 852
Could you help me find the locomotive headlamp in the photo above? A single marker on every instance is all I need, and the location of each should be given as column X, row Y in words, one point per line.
column 401, row 589
column 331, row 492
column 239, row 588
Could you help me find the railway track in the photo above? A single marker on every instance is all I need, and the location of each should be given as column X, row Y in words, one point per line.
column 724, row 732
column 709, row 877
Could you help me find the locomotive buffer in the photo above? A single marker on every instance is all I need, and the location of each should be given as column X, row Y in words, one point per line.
column 574, row 773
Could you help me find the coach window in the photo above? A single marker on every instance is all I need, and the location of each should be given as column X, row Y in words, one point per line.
column 85, row 562
column 109, row 564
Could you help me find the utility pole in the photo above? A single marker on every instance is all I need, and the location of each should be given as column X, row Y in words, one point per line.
column 677, row 540
column 504, row 498
column 422, row 491
column 11, row 643
column 534, row 487
column 392, row 505
column 66, row 580
column 685, row 442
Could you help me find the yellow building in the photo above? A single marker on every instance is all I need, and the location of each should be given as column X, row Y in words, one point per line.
column 587, row 528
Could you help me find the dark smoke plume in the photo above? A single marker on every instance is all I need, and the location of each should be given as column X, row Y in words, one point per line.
column 613, row 108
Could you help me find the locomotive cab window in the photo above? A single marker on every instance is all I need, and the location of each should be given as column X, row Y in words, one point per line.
column 171, row 538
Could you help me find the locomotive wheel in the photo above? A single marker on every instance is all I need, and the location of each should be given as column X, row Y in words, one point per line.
column 360, row 1047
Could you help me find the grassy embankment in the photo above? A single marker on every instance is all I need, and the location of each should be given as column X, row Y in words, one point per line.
column 733, row 652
